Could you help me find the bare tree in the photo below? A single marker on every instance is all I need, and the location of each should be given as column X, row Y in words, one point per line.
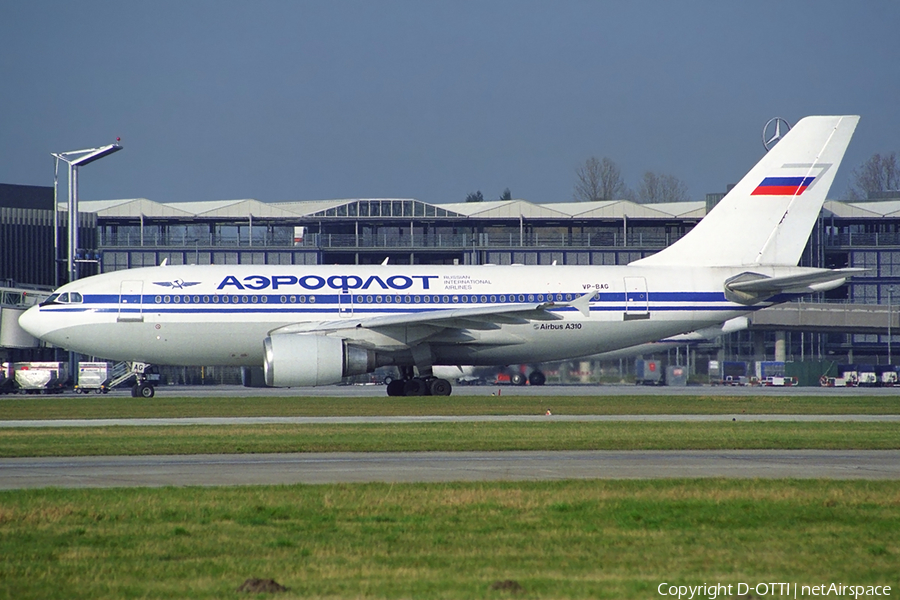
column 878, row 174
column 599, row 180
column 654, row 189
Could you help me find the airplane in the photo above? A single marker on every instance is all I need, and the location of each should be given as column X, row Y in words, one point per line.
column 314, row 325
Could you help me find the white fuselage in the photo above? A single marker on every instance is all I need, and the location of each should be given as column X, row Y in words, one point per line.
column 220, row 314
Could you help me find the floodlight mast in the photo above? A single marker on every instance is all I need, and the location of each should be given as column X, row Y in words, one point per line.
column 55, row 223
column 75, row 159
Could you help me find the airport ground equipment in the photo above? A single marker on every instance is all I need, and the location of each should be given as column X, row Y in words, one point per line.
column 40, row 377
column 887, row 375
column 867, row 375
column 735, row 372
column 92, row 377
column 676, row 376
column 848, row 375
column 863, row 376
column 773, row 373
column 7, row 384
column 648, row 372
column 119, row 374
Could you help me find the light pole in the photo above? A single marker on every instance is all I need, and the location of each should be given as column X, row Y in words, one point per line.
column 75, row 159
column 55, row 224
column 890, row 318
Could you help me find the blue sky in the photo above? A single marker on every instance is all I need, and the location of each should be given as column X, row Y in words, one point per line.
column 279, row 100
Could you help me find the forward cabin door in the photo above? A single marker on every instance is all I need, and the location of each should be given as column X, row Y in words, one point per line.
column 637, row 299
column 130, row 302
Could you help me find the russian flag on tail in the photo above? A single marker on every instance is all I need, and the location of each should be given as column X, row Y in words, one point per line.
column 782, row 186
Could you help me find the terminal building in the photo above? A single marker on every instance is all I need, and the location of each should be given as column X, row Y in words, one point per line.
column 129, row 233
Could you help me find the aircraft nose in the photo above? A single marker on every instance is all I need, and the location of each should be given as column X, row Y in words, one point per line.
column 31, row 321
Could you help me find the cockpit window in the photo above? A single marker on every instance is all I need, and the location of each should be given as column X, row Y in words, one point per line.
column 64, row 298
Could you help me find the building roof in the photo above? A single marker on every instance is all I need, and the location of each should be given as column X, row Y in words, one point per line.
column 311, row 207
column 408, row 207
column 886, row 208
column 234, row 209
column 136, row 207
column 505, row 209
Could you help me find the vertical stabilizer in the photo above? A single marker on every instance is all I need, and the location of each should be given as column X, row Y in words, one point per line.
column 767, row 217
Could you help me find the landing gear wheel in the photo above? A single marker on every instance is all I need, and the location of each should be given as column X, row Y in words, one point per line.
column 145, row 390
column 537, row 378
column 440, row 387
column 395, row 387
column 517, row 379
column 415, row 387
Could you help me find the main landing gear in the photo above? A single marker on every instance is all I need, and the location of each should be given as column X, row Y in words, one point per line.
column 536, row 378
column 418, row 386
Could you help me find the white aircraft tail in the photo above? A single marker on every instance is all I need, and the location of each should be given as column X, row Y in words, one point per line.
column 766, row 219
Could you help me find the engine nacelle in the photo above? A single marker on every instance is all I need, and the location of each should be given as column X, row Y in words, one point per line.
column 300, row 360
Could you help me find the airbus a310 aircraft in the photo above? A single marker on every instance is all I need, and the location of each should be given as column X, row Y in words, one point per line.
column 313, row 325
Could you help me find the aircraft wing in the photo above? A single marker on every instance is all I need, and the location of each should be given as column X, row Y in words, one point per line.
column 486, row 317
column 749, row 288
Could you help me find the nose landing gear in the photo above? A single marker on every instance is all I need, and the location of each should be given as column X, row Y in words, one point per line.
column 146, row 375
column 143, row 390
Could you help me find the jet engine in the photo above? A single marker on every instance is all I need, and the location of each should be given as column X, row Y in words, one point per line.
column 300, row 360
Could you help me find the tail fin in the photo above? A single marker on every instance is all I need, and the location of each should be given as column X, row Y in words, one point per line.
column 767, row 217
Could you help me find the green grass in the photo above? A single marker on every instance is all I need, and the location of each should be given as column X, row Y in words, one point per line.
column 117, row 406
column 213, row 439
column 571, row 539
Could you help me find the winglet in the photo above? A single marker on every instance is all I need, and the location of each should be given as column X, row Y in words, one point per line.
column 164, row 262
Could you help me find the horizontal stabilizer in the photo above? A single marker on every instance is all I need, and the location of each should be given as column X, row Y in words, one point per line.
column 750, row 288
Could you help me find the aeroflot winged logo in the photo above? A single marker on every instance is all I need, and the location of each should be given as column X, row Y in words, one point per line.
column 344, row 283
column 782, row 186
column 178, row 284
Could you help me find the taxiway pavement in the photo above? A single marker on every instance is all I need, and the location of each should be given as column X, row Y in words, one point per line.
column 320, row 468
column 163, row 422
